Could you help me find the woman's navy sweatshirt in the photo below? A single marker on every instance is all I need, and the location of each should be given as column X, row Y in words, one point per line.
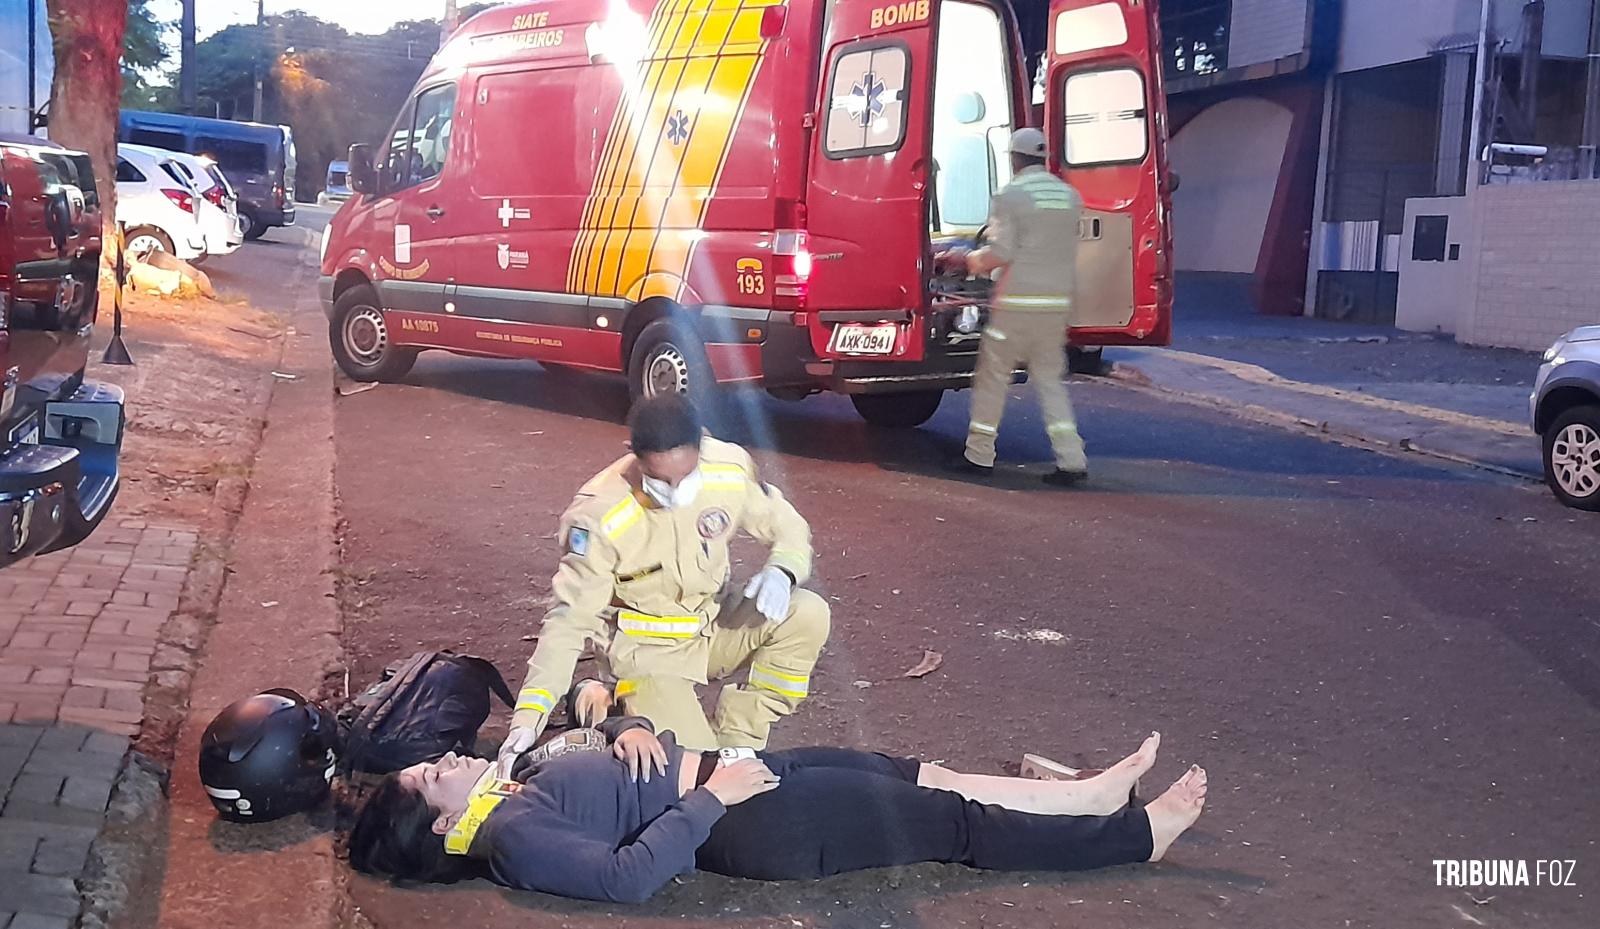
column 582, row 827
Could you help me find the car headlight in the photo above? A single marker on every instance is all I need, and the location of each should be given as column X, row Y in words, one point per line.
column 1554, row 351
column 323, row 256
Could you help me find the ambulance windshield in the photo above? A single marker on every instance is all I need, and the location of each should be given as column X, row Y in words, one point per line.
column 971, row 115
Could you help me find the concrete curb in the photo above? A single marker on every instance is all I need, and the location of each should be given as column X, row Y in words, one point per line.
column 1387, row 426
column 277, row 625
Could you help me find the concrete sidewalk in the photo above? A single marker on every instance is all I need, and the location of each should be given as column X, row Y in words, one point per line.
column 1371, row 385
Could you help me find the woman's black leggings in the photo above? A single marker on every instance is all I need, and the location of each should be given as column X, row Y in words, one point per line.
column 839, row 810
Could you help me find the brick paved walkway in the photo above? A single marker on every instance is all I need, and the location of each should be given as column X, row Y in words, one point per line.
column 78, row 630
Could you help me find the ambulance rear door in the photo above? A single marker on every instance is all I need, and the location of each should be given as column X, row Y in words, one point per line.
column 869, row 173
column 1105, row 118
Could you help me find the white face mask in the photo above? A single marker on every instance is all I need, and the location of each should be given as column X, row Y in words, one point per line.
column 667, row 496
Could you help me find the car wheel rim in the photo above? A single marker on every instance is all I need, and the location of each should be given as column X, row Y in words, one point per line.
column 366, row 338
column 667, row 371
column 1575, row 460
column 144, row 245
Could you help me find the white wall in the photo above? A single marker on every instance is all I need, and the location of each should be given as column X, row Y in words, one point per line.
column 1537, row 276
column 14, row 64
column 1228, row 159
column 1383, row 32
column 1434, row 294
column 1266, row 30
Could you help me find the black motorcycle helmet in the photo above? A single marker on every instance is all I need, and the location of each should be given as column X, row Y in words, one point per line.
column 268, row 756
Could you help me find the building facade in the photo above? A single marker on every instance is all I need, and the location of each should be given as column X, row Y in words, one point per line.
column 1301, row 127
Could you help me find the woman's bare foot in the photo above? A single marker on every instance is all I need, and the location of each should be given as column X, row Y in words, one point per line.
column 1176, row 810
column 1112, row 786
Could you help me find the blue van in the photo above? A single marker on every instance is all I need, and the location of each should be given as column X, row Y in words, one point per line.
column 257, row 159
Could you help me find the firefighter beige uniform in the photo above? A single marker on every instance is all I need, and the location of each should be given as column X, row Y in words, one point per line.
column 647, row 588
column 1034, row 234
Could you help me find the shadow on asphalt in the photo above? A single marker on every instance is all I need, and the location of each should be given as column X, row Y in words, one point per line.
column 1136, row 442
column 870, row 898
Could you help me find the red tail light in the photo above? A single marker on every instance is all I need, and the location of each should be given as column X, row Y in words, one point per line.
column 792, row 259
column 182, row 199
column 215, row 195
column 278, row 194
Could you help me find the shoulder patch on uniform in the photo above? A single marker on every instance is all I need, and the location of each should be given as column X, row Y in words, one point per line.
column 578, row 541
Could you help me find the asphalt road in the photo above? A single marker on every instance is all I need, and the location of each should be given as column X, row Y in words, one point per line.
column 1381, row 663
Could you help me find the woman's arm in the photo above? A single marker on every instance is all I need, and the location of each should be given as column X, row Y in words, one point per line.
column 531, row 852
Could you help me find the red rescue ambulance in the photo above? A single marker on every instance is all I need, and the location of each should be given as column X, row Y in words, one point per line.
column 744, row 191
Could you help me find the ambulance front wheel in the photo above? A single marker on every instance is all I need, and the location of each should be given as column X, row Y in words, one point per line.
column 898, row 411
column 668, row 358
column 359, row 337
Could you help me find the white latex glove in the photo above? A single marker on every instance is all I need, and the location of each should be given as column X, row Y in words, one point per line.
column 518, row 740
column 771, row 589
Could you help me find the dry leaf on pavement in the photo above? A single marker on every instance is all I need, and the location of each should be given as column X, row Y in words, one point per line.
column 931, row 660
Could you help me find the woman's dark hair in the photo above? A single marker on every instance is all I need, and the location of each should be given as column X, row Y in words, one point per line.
column 394, row 837
column 662, row 423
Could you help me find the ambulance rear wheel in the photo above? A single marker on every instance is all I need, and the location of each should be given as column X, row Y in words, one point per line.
column 359, row 337
column 898, row 411
column 668, row 358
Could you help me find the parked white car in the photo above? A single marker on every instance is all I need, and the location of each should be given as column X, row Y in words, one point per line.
column 157, row 207
column 219, row 207
column 1565, row 411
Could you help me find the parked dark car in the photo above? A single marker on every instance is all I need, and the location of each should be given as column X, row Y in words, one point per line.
column 259, row 160
column 60, row 435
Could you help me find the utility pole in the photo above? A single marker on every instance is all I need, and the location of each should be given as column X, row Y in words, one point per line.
column 261, row 50
column 1532, row 56
column 1475, row 135
column 1590, row 150
column 32, row 64
column 448, row 24
column 187, row 84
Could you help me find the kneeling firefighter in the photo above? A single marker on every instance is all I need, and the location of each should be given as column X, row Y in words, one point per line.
column 644, row 581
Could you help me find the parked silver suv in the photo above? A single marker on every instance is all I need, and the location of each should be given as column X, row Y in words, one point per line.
column 1565, row 410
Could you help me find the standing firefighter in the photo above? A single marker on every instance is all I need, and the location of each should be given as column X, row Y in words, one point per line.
column 644, row 580
column 1034, row 236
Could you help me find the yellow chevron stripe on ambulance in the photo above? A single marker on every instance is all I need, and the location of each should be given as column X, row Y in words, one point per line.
column 668, row 144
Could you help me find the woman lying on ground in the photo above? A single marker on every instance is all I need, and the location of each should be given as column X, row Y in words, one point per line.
column 618, row 825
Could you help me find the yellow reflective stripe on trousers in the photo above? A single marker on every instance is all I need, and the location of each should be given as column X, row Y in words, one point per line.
column 780, row 682
column 1060, row 428
column 536, row 698
column 627, row 688
column 658, row 627
column 985, row 429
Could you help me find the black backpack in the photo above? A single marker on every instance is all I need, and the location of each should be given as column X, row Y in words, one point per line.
column 423, row 707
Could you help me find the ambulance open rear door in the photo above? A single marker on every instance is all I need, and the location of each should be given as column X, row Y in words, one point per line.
column 1105, row 118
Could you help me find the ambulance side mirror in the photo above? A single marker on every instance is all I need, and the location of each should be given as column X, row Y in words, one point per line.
column 363, row 178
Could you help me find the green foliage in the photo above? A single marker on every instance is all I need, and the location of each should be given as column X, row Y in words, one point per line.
column 144, row 59
column 332, row 88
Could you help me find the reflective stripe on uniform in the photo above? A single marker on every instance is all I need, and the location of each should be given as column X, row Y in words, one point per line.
column 620, row 517
column 627, row 688
column 780, row 682
column 719, row 476
column 658, row 627
column 1047, row 301
column 1062, row 428
column 985, row 428
column 536, row 698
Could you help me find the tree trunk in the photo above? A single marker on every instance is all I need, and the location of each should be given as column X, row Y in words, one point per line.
column 88, row 86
